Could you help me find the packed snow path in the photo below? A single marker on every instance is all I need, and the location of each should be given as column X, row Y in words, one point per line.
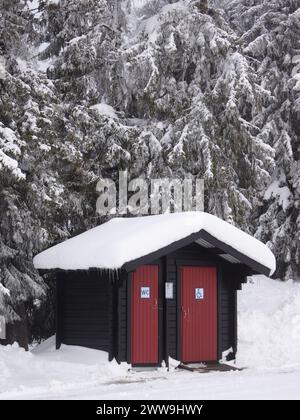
column 269, row 345
column 52, row 376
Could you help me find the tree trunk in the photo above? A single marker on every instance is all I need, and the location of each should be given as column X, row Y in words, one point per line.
column 17, row 331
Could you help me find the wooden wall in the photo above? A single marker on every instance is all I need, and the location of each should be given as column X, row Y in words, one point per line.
column 85, row 316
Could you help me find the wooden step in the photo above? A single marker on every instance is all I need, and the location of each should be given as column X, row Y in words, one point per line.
column 208, row 367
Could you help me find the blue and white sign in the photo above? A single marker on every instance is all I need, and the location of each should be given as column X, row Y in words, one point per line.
column 199, row 293
column 145, row 292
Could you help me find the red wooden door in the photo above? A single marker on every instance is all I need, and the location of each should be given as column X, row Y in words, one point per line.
column 198, row 314
column 144, row 315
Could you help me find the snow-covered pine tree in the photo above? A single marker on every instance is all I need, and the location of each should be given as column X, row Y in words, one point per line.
column 94, row 87
column 269, row 37
column 19, row 282
column 186, row 77
column 47, row 186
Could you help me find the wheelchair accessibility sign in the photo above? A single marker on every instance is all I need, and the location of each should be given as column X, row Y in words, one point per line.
column 199, row 293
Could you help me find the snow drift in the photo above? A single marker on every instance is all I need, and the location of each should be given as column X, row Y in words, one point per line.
column 269, row 323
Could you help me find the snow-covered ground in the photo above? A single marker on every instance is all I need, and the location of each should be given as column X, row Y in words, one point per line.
column 269, row 346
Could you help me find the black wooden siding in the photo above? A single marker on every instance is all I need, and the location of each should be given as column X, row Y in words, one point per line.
column 122, row 319
column 85, row 316
column 171, row 308
column 226, row 315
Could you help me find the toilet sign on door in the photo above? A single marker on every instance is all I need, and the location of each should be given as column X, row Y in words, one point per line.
column 199, row 293
column 145, row 292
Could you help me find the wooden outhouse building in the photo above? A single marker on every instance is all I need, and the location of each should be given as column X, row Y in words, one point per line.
column 148, row 288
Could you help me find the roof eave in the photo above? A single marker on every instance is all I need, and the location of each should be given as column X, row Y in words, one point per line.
column 254, row 266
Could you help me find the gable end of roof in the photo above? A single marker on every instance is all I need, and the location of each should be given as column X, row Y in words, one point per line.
column 256, row 267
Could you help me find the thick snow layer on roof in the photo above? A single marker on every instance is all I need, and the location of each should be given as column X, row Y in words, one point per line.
column 125, row 239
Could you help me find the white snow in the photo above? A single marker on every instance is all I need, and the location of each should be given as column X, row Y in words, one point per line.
column 10, row 144
column 296, row 59
column 296, row 71
column 282, row 192
column 43, row 65
column 125, row 239
column 151, row 27
column 105, row 109
column 297, row 85
column 45, row 147
column 152, row 24
column 22, row 64
column 4, row 290
column 269, row 348
column 10, row 164
column 2, row 68
column 138, row 3
column 43, row 46
column 269, row 324
column 33, row 4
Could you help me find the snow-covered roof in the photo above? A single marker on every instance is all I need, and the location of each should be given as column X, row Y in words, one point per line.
column 122, row 240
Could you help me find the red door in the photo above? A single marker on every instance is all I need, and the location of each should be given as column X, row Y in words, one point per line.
column 144, row 315
column 198, row 314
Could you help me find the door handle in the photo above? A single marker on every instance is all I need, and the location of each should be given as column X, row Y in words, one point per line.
column 186, row 313
column 155, row 304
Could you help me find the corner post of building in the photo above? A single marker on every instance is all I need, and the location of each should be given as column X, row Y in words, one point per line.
column 59, row 282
